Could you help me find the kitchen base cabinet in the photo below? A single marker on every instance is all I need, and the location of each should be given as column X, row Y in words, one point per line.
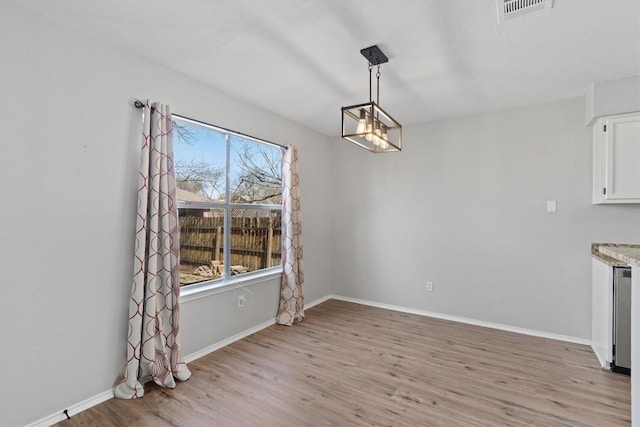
column 602, row 311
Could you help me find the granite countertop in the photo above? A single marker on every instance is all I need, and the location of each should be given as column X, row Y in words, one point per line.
column 617, row 255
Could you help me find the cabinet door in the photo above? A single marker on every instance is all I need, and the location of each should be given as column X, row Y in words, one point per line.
column 623, row 158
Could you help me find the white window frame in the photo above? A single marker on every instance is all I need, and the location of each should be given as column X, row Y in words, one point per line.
column 227, row 282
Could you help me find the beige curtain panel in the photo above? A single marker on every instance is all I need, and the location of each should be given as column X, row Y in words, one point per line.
column 153, row 344
column 291, row 292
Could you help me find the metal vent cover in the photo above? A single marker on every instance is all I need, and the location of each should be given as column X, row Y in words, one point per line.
column 509, row 9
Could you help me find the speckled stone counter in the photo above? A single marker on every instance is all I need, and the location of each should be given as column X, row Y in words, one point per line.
column 621, row 254
column 613, row 262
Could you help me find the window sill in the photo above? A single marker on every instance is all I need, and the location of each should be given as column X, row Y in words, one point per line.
column 214, row 287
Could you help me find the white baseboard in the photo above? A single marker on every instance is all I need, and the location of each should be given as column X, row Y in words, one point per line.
column 73, row 409
column 99, row 398
column 218, row 345
column 601, row 359
column 318, row 301
column 225, row 342
column 106, row 395
column 491, row 325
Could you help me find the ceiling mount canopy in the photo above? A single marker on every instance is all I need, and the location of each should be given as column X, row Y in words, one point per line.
column 367, row 124
column 374, row 55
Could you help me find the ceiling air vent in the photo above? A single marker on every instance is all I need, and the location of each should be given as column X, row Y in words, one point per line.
column 509, row 9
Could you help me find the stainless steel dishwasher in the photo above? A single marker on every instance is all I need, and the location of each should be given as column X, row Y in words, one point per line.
column 621, row 320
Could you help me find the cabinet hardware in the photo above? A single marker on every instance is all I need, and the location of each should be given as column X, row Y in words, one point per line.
column 605, row 128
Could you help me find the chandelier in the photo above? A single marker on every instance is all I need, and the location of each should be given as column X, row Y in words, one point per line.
column 368, row 125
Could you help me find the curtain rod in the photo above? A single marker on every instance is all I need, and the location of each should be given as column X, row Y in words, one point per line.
column 139, row 104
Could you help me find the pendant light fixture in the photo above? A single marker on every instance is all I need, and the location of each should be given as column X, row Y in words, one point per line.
column 368, row 125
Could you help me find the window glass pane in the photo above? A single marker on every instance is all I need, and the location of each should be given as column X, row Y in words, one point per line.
column 199, row 161
column 255, row 239
column 255, row 173
column 201, row 244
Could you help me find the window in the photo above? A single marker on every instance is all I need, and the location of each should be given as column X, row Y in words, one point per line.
column 229, row 202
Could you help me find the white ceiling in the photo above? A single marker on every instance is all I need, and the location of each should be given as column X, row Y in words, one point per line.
column 301, row 58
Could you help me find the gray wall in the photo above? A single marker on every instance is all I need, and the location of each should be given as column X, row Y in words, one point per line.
column 464, row 205
column 68, row 168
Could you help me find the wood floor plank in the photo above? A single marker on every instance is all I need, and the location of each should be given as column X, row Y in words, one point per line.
column 349, row 364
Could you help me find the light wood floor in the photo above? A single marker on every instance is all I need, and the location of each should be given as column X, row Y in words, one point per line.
column 348, row 364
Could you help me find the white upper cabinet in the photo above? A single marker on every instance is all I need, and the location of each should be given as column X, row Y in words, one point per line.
column 616, row 159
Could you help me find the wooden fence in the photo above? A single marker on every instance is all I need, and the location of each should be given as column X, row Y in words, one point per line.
column 255, row 242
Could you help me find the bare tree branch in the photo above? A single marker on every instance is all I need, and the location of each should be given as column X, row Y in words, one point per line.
column 200, row 177
column 183, row 132
column 260, row 178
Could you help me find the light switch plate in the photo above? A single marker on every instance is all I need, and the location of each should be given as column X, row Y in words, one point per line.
column 552, row 206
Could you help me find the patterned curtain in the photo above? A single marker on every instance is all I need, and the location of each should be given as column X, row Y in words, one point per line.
column 153, row 345
column 291, row 295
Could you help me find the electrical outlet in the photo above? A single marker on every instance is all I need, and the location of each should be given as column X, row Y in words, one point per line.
column 429, row 286
column 241, row 301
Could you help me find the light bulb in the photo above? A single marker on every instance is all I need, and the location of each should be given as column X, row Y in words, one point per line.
column 362, row 123
column 376, row 134
column 369, row 135
column 383, row 140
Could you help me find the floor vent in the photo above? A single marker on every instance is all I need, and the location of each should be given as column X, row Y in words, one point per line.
column 509, row 9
